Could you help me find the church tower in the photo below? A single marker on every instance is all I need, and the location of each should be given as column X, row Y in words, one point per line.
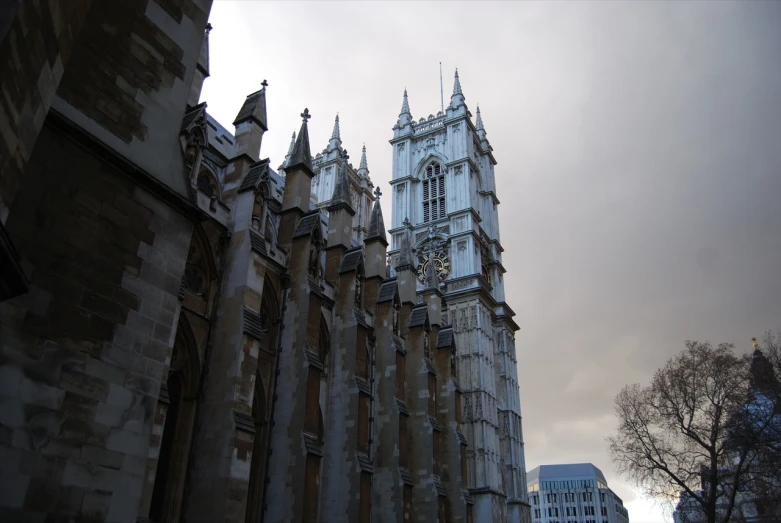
column 327, row 165
column 443, row 186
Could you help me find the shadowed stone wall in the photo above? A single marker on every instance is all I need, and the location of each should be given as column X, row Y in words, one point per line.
column 81, row 365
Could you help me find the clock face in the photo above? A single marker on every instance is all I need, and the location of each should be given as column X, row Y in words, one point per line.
column 441, row 265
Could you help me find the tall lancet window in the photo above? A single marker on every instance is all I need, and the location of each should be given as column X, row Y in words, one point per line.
column 433, row 193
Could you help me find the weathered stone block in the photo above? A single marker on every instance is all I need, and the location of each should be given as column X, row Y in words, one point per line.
column 38, row 465
column 84, row 385
column 95, row 505
column 128, row 442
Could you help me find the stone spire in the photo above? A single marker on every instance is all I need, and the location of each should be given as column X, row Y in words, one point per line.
column 457, row 84
column 479, row 125
column 341, row 197
column 405, row 268
column 405, row 104
column 363, row 170
column 376, row 221
column 336, row 140
column 457, row 98
column 289, row 151
column 405, row 116
column 301, row 155
column 405, row 249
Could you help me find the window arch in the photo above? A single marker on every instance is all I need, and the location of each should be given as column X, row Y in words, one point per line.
column 323, row 347
column 207, row 184
column 182, row 383
column 433, row 193
column 258, row 463
column 199, row 269
column 486, row 272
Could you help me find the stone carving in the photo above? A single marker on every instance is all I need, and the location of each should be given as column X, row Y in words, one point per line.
column 467, row 408
column 463, row 284
column 455, row 127
column 358, row 290
column 458, row 169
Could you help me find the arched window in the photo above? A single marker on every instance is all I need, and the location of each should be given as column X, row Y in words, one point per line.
column 206, row 183
column 485, row 262
column 258, row 207
column 486, row 272
column 433, row 193
column 323, row 347
column 173, row 458
column 197, row 270
column 257, row 466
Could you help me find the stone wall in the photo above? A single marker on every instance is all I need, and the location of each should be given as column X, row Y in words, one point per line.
column 33, row 55
column 81, row 365
column 130, row 80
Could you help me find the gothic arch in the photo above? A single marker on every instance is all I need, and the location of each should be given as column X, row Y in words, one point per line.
column 433, row 156
column 183, row 384
column 269, row 316
column 260, row 206
column 200, row 270
column 257, row 473
column 423, row 240
column 324, row 347
column 208, row 183
column 269, row 319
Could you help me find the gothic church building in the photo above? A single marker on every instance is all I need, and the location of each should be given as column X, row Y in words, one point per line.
column 187, row 334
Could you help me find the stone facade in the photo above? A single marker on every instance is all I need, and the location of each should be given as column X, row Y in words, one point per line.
column 444, row 197
column 185, row 333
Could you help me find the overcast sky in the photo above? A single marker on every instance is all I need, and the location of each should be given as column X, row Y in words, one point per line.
column 639, row 167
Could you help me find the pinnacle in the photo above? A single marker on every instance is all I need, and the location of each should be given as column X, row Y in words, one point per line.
column 457, row 85
column 289, row 151
column 479, row 124
column 301, row 154
column 405, row 104
column 363, row 165
column 376, row 221
column 292, row 144
column 405, row 249
column 335, row 133
column 341, row 196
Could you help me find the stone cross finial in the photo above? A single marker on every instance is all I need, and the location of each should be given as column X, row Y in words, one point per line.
column 305, row 115
column 264, row 83
column 377, row 193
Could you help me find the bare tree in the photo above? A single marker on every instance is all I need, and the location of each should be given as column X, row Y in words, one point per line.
column 677, row 434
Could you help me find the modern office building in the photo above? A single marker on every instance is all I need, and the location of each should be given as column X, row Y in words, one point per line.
column 573, row 493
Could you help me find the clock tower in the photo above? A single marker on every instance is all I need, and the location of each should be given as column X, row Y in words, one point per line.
column 444, row 192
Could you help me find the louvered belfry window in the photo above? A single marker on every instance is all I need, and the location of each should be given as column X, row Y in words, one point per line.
column 433, row 193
